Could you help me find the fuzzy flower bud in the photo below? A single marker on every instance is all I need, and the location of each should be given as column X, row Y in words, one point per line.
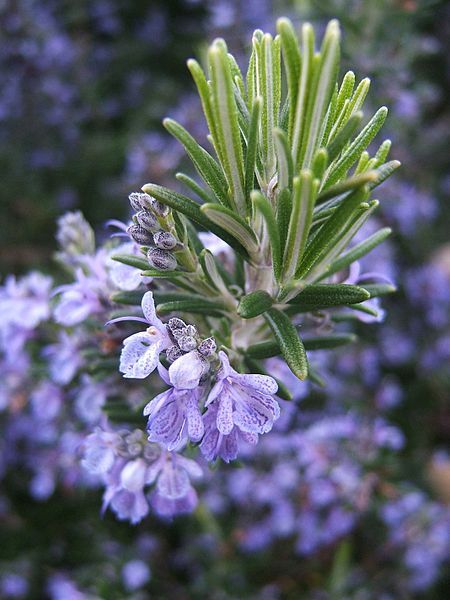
column 175, row 324
column 140, row 235
column 173, row 353
column 140, row 201
column 158, row 208
column 147, row 220
column 207, row 347
column 164, row 240
column 161, row 259
column 187, row 343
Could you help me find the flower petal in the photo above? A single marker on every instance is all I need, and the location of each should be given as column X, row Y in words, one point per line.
column 173, row 482
column 149, row 310
column 261, row 383
column 225, row 412
column 166, row 424
column 254, row 413
column 139, row 356
column 194, row 419
column 186, row 371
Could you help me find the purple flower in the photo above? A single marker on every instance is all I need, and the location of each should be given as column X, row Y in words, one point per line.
column 174, row 417
column 140, row 353
column 78, row 300
column 135, row 574
column 237, row 401
column 64, row 357
column 100, row 450
column 174, row 493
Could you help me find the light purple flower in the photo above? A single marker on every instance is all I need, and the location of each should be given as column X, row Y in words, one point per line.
column 140, row 353
column 174, row 417
column 90, row 397
column 64, row 357
column 100, row 450
column 242, row 401
column 174, row 493
column 135, row 574
column 78, row 300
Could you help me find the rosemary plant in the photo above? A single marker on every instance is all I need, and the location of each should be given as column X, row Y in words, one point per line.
column 285, row 188
column 287, row 184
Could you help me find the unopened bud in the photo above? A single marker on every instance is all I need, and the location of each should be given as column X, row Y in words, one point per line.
column 175, row 323
column 140, row 235
column 147, row 220
column 164, row 240
column 186, row 343
column 208, row 347
column 190, row 330
column 173, row 353
column 161, row 259
column 140, row 201
column 159, row 208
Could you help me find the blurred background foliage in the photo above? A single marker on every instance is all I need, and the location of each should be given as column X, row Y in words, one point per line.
column 83, row 88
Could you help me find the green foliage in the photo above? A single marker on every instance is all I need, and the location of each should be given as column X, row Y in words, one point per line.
column 288, row 188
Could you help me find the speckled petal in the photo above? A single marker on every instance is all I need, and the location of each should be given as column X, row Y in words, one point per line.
column 194, row 419
column 148, row 308
column 138, row 359
column 225, row 412
column 250, row 415
column 165, row 425
column 261, row 383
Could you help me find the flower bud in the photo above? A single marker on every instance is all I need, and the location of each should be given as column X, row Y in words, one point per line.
column 175, row 324
column 173, row 353
column 164, row 240
column 186, row 343
column 207, row 347
column 190, row 330
column 147, row 220
column 140, row 235
column 140, row 201
column 161, row 259
column 158, row 208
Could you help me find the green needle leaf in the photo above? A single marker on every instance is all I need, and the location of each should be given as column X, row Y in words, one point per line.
column 131, row 260
column 319, row 296
column 379, row 289
column 284, row 159
column 262, row 204
column 254, row 304
column 292, row 62
column 214, row 308
column 226, row 114
column 358, row 251
column 233, row 224
column 134, row 298
column 347, row 185
column 300, row 222
column 252, row 146
column 290, row 344
column 352, row 153
column 205, row 164
column 331, row 231
column 271, row 348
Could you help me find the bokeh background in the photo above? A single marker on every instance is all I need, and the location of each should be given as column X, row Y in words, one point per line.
column 83, row 88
